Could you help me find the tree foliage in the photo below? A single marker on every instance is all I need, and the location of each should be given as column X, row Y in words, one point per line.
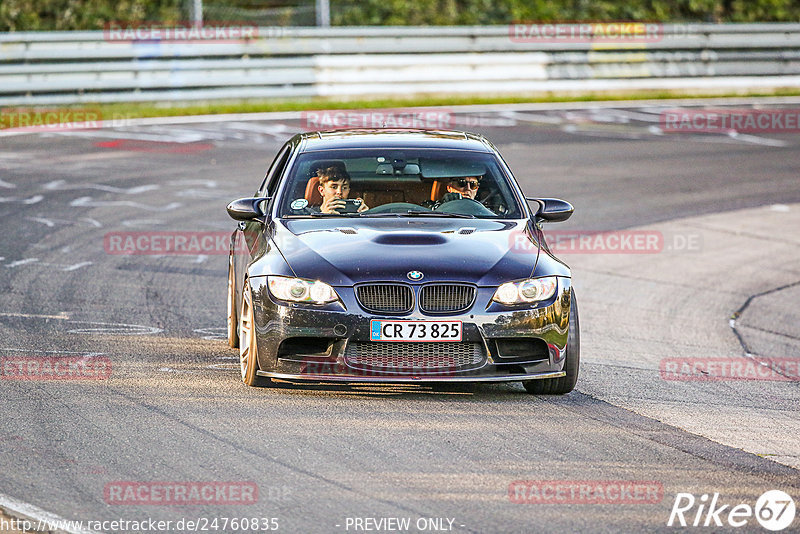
column 38, row 15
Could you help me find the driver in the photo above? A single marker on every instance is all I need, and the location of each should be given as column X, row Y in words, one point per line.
column 466, row 187
column 458, row 188
column 334, row 186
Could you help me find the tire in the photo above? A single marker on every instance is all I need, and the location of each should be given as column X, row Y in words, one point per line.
column 564, row 384
column 248, row 348
column 233, row 320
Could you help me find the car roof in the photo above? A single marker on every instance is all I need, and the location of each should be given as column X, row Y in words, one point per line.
column 385, row 138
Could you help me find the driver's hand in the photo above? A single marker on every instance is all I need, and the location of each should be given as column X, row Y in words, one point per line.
column 331, row 205
column 363, row 206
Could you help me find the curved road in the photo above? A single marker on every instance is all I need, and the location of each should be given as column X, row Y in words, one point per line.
column 347, row 459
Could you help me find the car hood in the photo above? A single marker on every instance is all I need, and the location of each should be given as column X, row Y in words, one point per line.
column 344, row 252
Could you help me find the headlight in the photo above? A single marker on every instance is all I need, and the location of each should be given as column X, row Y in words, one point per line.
column 526, row 291
column 300, row 290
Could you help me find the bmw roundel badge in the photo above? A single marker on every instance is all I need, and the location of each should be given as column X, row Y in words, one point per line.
column 415, row 275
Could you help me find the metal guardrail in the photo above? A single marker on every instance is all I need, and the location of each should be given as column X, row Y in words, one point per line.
column 74, row 67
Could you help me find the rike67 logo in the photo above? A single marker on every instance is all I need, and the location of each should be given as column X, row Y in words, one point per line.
column 774, row 510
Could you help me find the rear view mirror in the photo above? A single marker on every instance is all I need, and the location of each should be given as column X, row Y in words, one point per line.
column 246, row 209
column 552, row 209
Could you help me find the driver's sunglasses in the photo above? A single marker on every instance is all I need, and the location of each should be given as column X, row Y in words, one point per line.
column 473, row 184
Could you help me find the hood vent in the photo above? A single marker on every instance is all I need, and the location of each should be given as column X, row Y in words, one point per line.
column 346, row 230
column 467, row 230
column 410, row 238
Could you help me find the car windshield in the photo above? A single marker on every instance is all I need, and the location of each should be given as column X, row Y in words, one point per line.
column 398, row 183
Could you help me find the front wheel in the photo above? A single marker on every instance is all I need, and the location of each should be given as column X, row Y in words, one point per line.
column 564, row 384
column 248, row 348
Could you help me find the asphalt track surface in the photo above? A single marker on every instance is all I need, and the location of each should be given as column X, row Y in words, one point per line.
column 174, row 409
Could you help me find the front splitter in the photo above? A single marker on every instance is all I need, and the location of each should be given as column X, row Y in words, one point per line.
column 409, row 379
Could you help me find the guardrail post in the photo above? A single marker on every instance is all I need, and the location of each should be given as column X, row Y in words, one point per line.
column 196, row 12
column 323, row 13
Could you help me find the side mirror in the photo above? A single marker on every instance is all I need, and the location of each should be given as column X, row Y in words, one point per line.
column 552, row 209
column 246, row 209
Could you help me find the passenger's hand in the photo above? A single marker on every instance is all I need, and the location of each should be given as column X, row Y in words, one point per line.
column 363, row 206
column 332, row 205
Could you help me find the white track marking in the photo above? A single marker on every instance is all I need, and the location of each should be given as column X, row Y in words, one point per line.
column 179, row 371
column 59, row 266
column 62, row 315
column 532, row 117
column 214, row 333
column 223, row 366
column 115, row 329
column 40, row 517
column 142, row 222
column 77, row 266
column 606, row 134
column 61, row 185
column 87, row 202
column 636, row 115
column 17, row 263
column 201, row 193
column 7, row 185
column 756, row 140
column 86, row 354
column 193, row 137
column 52, row 222
column 93, row 222
column 276, row 130
column 210, row 184
column 32, row 200
column 46, row 222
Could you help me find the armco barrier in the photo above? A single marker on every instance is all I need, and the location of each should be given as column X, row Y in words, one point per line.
column 75, row 67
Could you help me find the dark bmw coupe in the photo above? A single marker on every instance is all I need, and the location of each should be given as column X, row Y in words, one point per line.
column 399, row 257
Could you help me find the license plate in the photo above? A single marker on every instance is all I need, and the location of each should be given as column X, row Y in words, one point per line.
column 415, row 330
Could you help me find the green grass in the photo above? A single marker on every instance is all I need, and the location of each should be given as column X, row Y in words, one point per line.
column 169, row 109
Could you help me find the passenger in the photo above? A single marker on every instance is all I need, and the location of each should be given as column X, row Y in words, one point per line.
column 334, row 186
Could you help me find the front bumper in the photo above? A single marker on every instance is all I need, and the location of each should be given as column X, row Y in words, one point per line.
column 322, row 344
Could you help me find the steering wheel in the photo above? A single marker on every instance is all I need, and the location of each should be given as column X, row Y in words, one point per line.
column 396, row 207
column 466, row 206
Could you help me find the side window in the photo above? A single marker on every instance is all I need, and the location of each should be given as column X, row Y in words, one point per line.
column 276, row 169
